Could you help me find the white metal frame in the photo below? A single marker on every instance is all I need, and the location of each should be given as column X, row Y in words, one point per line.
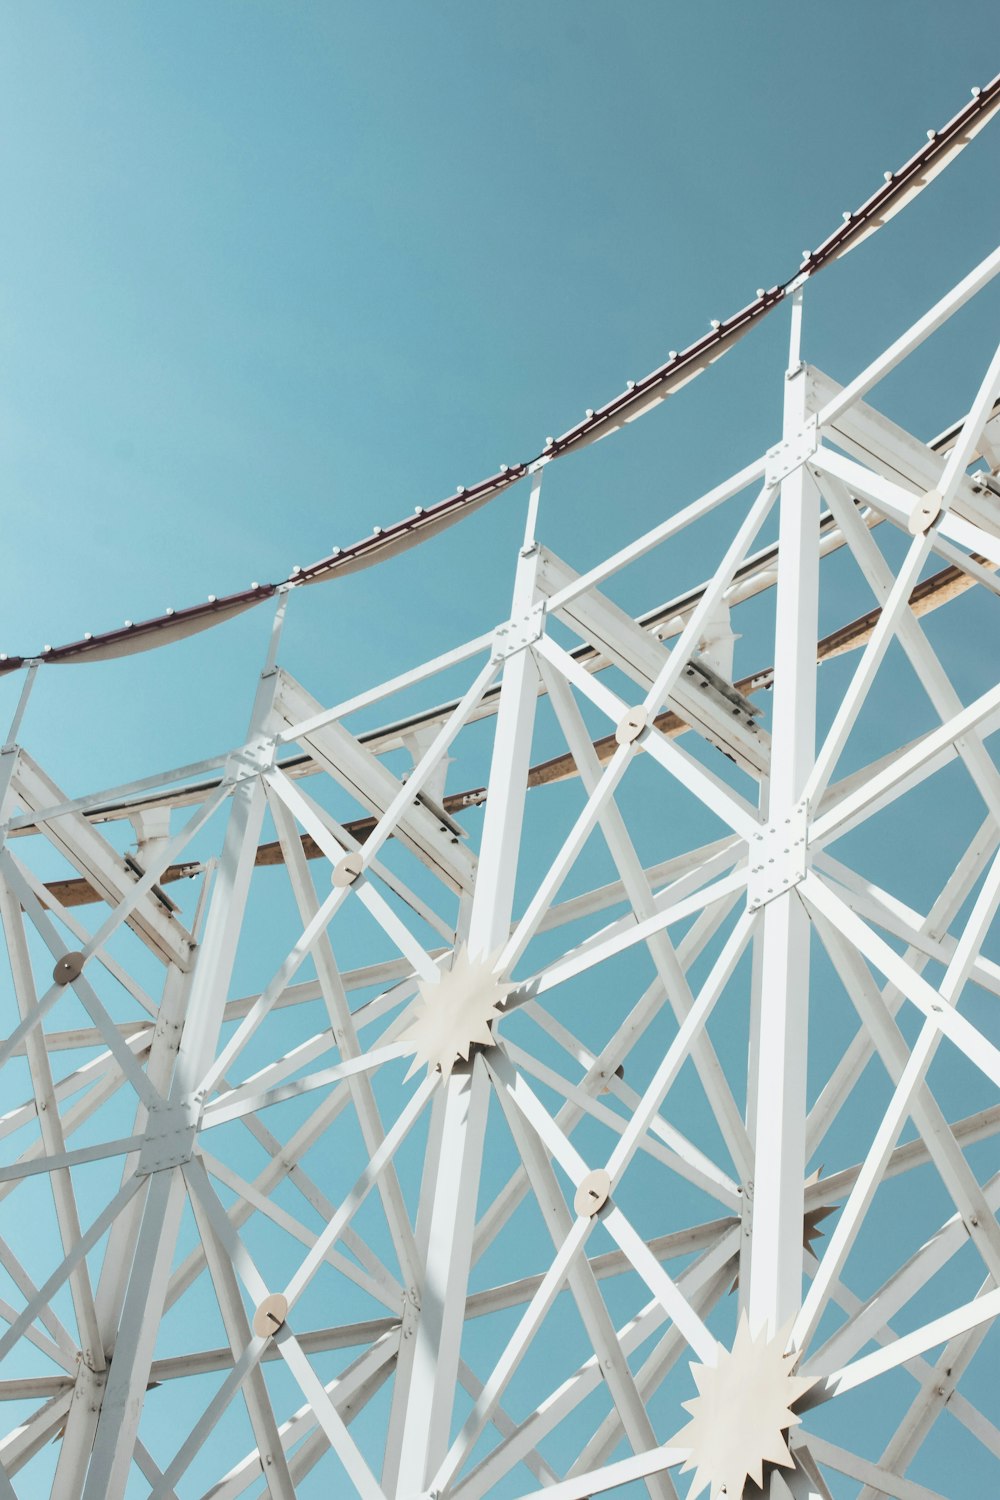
column 223, row 1197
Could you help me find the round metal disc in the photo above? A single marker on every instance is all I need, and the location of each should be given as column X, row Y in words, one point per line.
column 924, row 514
column 347, row 870
column 593, row 1193
column 270, row 1315
column 631, row 726
column 68, row 968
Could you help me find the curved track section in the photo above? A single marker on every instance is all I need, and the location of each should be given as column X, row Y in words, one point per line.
column 898, row 189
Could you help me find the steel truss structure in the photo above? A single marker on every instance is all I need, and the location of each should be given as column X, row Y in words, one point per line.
column 506, row 1174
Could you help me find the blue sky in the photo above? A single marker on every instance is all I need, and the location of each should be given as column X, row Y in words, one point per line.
column 272, row 274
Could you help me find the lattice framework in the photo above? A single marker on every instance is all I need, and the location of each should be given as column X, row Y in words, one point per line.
column 400, row 1319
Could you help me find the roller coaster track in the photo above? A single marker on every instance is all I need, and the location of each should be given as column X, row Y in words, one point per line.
column 897, row 190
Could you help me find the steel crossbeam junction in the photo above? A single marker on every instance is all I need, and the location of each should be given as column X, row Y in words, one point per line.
column 625, row 1124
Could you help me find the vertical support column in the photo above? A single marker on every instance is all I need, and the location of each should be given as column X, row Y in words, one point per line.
column 142, row 1309
column 427, row 1372
column 781, row 1044
column 430, row 1375
column 493, row 898
column 128, row 1373
column 753, row 1077
column 84, row 1414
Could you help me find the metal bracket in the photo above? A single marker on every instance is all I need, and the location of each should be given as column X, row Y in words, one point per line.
column 251, row 759
column 89, row 1384
column 778, row 857
column 515, row 635
column 784, row 458
column 411, row 1312
column 169, row 1139
column 746, row 1209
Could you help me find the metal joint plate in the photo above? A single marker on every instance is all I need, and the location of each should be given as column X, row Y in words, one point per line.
column 516, row 634
column 778, row 857
column 250, row 759
column 169, row 1140
column 785, row 457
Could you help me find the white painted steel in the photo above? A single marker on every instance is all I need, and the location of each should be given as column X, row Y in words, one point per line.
column 782, row 1037
column 423, row 1231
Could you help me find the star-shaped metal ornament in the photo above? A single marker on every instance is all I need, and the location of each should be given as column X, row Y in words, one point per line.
column 456, row 1012
column 811, row 1231
column 741, row 1415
